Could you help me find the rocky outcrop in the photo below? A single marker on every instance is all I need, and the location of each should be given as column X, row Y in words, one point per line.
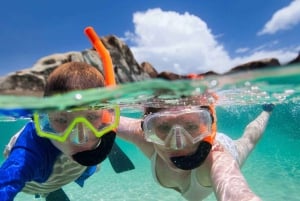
column 296, row 60
column 32, row 81
column 244, row 67
column 255, row 65
column 147, row 67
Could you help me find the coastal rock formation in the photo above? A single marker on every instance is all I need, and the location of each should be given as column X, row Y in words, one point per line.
column 271, row 62
column 243, row 67
column 296, row 60
column 32, row 81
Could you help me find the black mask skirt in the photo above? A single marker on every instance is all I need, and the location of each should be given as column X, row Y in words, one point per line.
column 96, row 156
column 194, row 160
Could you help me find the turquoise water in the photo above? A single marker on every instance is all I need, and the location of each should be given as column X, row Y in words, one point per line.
column 272, row 170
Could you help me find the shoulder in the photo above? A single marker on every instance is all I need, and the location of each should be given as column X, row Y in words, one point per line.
column 227, row 143
column 27, row 141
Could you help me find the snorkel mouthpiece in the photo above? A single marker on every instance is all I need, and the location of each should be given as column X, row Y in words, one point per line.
column 97, row 155
column 194, row 160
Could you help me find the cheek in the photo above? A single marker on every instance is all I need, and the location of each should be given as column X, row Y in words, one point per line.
column 63, row 147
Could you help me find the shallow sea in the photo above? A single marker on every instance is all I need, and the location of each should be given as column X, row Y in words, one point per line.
column 272, row 170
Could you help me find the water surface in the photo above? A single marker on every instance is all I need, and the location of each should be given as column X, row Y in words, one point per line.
column 272, row 170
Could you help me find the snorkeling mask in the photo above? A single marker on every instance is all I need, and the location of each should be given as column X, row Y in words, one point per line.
column 177, row 129
column 78, row 124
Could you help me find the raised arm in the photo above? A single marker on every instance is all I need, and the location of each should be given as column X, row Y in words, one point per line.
column 130, row 130
column 253, row 132
column 228, row 182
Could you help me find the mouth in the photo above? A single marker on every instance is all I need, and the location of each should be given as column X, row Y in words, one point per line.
column 183, row 152
column 85, row 147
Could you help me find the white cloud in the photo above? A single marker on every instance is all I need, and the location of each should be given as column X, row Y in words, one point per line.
column 283, row 19
column 242, row 50
column 183, row 43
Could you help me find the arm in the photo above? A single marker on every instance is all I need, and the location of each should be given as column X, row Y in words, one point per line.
column 252, row 133
column 227, row 180
column 130, row 130
column 13, row 177
column 26, row 162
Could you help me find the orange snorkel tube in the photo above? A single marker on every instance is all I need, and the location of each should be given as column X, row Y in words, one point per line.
column 210, row 139
column 104, row 55
column 116, row 156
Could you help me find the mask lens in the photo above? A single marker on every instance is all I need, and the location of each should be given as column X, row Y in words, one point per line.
column 177, row 126
column 58, row 125
column 79, row 134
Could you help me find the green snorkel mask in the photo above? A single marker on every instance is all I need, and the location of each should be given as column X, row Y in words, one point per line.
column 78, row 123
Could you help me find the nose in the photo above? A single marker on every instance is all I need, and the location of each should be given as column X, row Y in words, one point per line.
column 177, row 138
column 79, row 134
column 82, row 135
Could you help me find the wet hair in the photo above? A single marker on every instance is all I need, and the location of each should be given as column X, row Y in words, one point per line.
column 157, row 104
column 73, row 76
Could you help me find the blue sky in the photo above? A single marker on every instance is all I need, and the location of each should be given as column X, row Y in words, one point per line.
column 190, row 36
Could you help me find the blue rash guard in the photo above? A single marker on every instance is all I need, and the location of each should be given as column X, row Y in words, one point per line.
column 31, row 159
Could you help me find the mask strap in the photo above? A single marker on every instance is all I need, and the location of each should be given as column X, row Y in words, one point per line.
column 210, row 139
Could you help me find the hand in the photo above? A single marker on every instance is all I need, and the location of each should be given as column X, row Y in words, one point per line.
column 268, row 107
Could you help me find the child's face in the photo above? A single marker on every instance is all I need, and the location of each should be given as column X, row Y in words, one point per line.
column 60, row 121
column 81, row 137
column 79, row 129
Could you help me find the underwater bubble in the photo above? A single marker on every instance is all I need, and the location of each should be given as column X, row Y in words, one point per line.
column 78, row 97
column 255, row 88
column 247, row 84
column 213, row 83
column 198, row 90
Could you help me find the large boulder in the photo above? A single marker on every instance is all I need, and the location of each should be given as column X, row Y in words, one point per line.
column 33, row 80
column 296, row 60
column 270, row 62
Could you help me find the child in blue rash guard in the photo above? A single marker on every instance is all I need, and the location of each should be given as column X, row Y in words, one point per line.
column 41, row 165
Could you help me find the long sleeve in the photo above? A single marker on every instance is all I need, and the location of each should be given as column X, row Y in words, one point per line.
column 31, row 158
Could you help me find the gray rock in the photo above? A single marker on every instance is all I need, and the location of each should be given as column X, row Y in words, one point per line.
column 33, row 80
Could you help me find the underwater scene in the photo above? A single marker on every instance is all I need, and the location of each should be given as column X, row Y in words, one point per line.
column 272, row 169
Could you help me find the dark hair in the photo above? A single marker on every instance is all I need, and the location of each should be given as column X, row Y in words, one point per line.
column 73, row 76
column 157, row 104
